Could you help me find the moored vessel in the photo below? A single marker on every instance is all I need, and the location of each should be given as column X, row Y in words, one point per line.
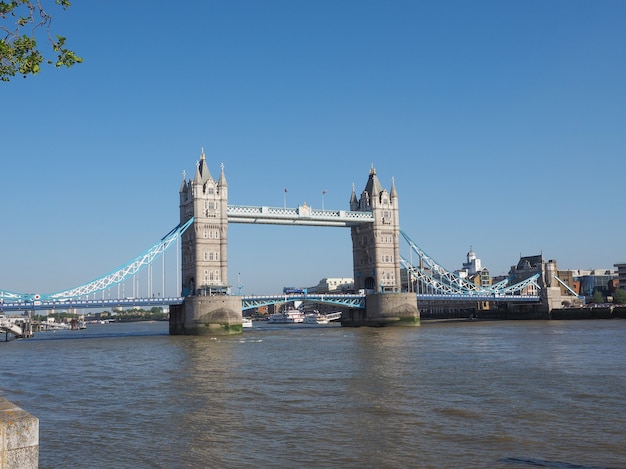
column 316, row 318
column 288, row 316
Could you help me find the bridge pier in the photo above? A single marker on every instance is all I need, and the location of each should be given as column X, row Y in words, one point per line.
column 385, row 309
column 207, row 315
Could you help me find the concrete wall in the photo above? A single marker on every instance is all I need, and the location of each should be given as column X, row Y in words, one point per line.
column 207, row 315
column 385, row 309
column 19, row 437
column 583, row 313
column 620, row 312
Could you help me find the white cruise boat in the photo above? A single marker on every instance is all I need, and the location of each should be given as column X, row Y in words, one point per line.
column 246, row 322
column 289, row 316
column 316, row 318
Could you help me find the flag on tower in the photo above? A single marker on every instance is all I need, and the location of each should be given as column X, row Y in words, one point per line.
column 285, row 189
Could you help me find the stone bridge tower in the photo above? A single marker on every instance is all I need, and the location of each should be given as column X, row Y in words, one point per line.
column 376, row 260
column 208, row 306
column 204, row 257
column 375, row 246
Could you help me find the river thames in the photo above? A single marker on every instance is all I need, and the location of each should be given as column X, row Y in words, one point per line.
column 443, row 395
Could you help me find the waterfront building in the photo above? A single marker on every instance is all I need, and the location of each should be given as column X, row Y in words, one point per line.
column 498, row 278
column 471, row 266
column 554, row 291
column 333, row 285
column 473, row 270
column 527, row 266
column 587, row 282
column 482, row 278
column 621, row 275
column 570, row 280
column 595, row 280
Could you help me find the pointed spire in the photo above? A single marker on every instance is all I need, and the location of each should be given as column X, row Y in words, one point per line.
column 198, row 177
column 183, row 185
column 222, row 182
column 394, row 193
column 354, row 203
column 373, row 187
column 202, row 172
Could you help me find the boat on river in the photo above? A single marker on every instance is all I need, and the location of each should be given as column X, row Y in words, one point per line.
column 246, row 322
column 288, row 316
column 316, row 318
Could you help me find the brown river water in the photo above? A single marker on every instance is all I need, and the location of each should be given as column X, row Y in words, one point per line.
column 444, row 395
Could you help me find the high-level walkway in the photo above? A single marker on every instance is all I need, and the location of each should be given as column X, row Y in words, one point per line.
column 302, row 215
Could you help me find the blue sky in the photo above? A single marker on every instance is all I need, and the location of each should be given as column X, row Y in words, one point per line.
column 503, row 124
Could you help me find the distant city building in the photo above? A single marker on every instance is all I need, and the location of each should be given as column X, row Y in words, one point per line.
column 484, row 276
column 498, row 278
column 526, row 267
column 587, row 282
column 595, row 280
column 570, row 282
column 336, row 285
column 474, row 272
column 621, row 275
column 471, row 266
column 549, row 280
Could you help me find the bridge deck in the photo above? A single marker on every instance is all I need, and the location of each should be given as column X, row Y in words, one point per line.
column 252, row 301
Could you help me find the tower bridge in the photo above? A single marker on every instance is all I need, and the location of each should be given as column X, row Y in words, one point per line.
column 207, row 305
column 373, row 220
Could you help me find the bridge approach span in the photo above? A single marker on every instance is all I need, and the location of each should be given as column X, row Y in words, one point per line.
column 86, row 304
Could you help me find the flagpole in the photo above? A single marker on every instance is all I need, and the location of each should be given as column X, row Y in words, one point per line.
column 323, row 193
column 285, row 198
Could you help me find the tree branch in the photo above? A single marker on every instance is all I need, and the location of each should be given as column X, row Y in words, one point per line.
column 18, row 51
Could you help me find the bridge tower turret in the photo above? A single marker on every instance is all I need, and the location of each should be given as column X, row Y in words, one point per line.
column 204, row 249
column 375, row 246
column 376, row 259
column 208, row 306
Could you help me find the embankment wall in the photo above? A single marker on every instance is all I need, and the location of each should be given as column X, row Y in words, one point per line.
column 19, row 437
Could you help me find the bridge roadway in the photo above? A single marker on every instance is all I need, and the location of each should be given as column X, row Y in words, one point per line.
column 251, row 301
column 84, row 304
column 347, row 300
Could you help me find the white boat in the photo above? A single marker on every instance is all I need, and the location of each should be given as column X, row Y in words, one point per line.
column 289, row 316
column 246, row 322
column 316, row 318
column 322, row 319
